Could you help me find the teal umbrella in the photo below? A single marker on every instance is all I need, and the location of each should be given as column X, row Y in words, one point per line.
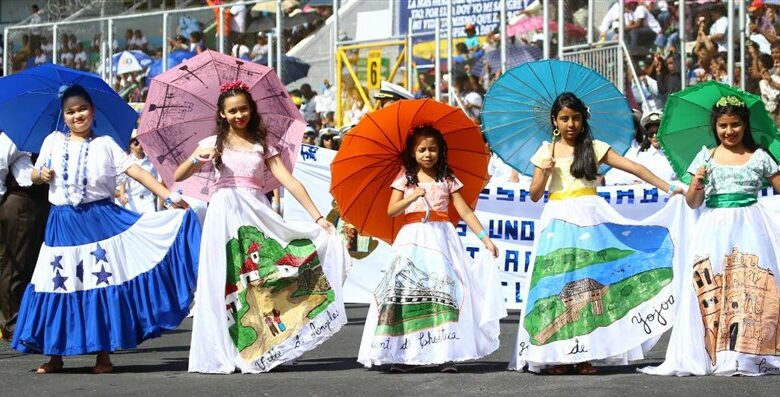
column 516, row 112
column 686, row 125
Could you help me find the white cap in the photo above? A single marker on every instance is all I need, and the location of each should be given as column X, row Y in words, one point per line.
column 653, row 116
column 393, row 91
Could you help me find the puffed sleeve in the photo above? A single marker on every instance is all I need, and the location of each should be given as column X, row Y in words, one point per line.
column 768, row 165
column 120, row 160
column 208, row 142
column 44, row 156
column 269, row 152
column 700, row 159
column 400, row 182
column 541, row 154
column 454, row 184
column 600, row 149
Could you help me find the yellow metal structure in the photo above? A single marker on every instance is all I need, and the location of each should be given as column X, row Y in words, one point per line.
column 345, row 60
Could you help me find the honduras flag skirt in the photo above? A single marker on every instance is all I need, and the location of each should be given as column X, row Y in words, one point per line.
column 108, row 278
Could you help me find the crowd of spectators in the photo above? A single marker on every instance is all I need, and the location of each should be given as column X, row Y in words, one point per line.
column 32, row 48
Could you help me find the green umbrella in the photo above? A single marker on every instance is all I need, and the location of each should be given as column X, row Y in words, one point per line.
column 686, row 125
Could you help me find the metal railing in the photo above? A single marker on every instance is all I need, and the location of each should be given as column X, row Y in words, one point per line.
column 601, row 59
column 109, row 26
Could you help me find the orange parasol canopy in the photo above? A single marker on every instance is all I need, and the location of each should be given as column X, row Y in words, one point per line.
column 370, row 159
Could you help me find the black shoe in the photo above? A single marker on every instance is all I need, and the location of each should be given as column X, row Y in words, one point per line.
column 449, row 368
column 402, row 368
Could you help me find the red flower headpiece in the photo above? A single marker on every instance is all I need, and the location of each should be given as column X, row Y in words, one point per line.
column 233, row 85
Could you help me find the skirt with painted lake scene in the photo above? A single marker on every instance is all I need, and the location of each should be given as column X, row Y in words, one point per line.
column 601, row 288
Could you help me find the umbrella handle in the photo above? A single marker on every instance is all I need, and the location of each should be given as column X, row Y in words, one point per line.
column 555, row 134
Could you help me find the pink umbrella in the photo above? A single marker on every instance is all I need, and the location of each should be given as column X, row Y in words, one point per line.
column 532, row 24
column 181, row 107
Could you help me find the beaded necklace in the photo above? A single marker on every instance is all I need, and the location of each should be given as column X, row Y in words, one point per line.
column 80, row 172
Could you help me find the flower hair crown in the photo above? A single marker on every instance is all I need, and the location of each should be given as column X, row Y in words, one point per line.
column 730, row 100
column 233, row 86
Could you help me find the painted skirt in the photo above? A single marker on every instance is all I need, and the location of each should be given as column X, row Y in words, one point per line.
column 435, row 303
column 268, row 290
column 108, row 278
column 728, row 322
column 601, row 287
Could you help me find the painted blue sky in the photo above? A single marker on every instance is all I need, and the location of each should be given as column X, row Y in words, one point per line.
column 598, row 237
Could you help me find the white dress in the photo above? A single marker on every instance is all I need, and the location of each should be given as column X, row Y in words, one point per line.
column 268, row 290
column 728, row 322
column 106, row 278
column 601, row 287
column 435, row 303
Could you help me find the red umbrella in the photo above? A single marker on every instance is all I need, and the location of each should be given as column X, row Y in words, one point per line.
column 180, row 110
column 533, row 24
column 369, row 160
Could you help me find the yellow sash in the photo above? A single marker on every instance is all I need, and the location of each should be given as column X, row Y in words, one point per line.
column 567, row 194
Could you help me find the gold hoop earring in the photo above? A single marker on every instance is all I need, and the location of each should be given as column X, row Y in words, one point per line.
column 556, row 133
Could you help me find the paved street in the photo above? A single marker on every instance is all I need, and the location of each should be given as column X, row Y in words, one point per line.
column 159, row 368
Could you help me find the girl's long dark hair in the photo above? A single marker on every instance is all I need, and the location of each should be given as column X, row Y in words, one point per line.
column 255, row 126
column 584, row 164
column 443, row 171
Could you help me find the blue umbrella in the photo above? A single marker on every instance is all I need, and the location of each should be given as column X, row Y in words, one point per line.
column 516, row 55
column 516, row 110
column 174, row 58
column 30, row 106
column 293, row 69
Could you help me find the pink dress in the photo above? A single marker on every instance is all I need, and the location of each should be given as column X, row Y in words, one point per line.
column 253, row 263
column 435, row 303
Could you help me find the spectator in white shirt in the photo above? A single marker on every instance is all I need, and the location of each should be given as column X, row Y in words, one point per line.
column 719, row 28
column 238, row 22
column 81, row 59
column 196, row 42
column 639, row 21
column 650, row 153
column 40, row 57
column 72, row 41
column 46, row 46
column 610, row 23
column 769, row 85
column 260, row 49
column 140, row 40
column 66, row 57
column 23, row 213
column 129, row 40
column 240, row 50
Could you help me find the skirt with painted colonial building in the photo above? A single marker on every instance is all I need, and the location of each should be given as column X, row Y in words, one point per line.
column 435, row 303
column 728, row 320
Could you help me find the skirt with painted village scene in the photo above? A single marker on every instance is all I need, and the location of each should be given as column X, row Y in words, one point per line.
column 268, row 290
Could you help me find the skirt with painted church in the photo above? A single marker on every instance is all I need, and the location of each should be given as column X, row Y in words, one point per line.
column 435, row 303
column 601, row 288
column 728, row 321
column 268, row 290
column 108, row 278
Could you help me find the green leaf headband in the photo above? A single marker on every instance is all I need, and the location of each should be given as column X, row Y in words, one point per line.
column 730, row 100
